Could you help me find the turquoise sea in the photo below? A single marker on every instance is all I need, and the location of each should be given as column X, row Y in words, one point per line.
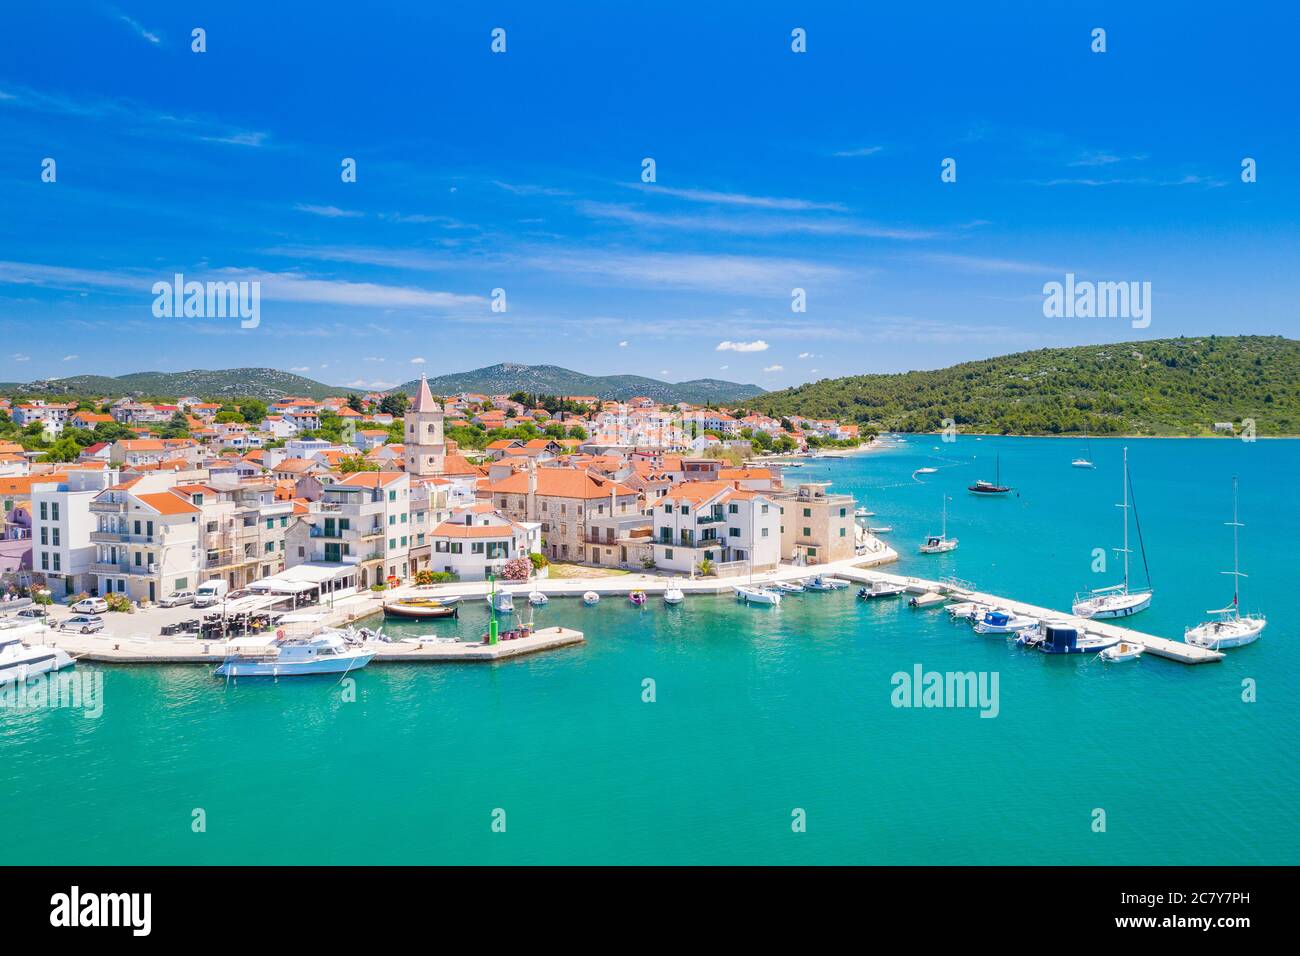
column 757, row 712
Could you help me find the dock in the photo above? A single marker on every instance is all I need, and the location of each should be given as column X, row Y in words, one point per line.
column 113, row 650
column 1158, row 646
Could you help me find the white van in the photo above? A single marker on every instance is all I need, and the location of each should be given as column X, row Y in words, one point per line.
column 210, row 592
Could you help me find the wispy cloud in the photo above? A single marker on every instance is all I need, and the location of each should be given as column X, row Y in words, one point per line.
column 860, row 151
column 985, row 264
column 738, row 199
column 1105, row 159
column 140, row 31
column 774, row 368
column 418, row 360
column 725, row 273
column 329, row 212
column 758, row 345
column 746, row 225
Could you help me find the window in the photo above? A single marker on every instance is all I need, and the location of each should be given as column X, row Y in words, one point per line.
column 440, row 547
column 807, row 512
column 807, row 532
column 56, row 561
column 668, row 509
column 270, row 523
column 54, row 539
column 44, row 516
column 392, row 496
column 268, row 547
column 476, row 547
column 764, row 534
column 842, row 532
column 181, row 584
column 764, row 511
column 54, row 510
column 733, row 532
column 733, row 509
column 44, row 535
column 284, row 521
column 844, row 512
column 392, row 544
column 392, row 519
column 45, row 561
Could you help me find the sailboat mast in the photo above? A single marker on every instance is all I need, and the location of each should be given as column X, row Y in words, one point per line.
column 1125, row 507
column 945, row 518
column 1236, row 568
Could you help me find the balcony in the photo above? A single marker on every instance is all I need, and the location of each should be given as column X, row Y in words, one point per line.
column 710, row 518
column 121, row 537
column 103, row 567
column 108, row 507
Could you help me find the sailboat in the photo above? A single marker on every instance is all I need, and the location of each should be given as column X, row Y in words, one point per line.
column 1231, row 629
column 939, row 543
column 991, row 489
column 1086, row 460
column 1118, row 600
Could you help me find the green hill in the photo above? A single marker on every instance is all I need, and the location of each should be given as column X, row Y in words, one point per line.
column 509, row 377
column 1158, row 387
column 263, row 383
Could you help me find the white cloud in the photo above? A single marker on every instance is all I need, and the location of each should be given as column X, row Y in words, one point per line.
column 746, row 224
column 723, row 368
column 805, row 355
column 860, row 151
column 329, row 212
column 623, row 344
column 663, row 371
column 373, row 358
column 723, row 273
column 738, row 199
column 139, row 30
column 71, row 358
column 775, row 368
column 302, row 368
column 418, row 360
column 21, row 357
column 758, row 345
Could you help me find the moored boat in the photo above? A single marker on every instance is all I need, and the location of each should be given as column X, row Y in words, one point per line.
column 674, row 595
column 1118, row 600
column 880, row 588
column 1003, row 622
column 1066, row 639
column 538, row 599
column 939, row 543
column 991, row 489
column 591, row 598
column 636, row 598
column 1123, row 651
column 756, row 595
column 271, row 655
column 420, row 607
column 789, row 587
column 20, row 661
column 1232, row 628
column 503, row 602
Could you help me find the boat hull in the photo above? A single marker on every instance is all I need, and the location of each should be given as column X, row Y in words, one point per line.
column 1224, row 635
column 334, row 665
column 1132, row 604
column 398, row 610
column 34, row 662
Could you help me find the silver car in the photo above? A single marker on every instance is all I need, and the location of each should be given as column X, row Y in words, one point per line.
column 83, row 623
column 177, row 598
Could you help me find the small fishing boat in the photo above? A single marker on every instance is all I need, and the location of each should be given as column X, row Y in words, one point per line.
column 1232, row 629
column 967, row 610
column 756, row 595
column 862, row 512
column 878, row 589
column 1066, row 639
column 636, row 598
column 928, row 599
column 939, row 543
column 991, row 489
column 1123, row 651
column 1118, row 600
column 420, row 607
column 925, row 471
column 591, row 598
column 819, row 584
column 789, row 587
column 538, row 599
column 883, row 529
column 274, row 655
column 674, row 595
column 503, row 602
column 1003, row 622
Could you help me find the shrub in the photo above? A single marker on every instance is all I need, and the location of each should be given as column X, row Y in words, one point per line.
column 424, row 577
column 648, row 563
column 379, row 587
column 43, row 597
column 442, row 577
column 539, row 560
column 117, row 601
column 706, row 567
column 517, row 569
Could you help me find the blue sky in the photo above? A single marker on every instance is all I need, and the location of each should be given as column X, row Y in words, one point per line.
column 522, row 171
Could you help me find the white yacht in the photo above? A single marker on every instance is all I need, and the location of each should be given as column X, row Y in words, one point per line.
column 1231, row 628
column 20, row 660
column 1086, row 460
column 273, row 655
column 939, row 543
column 755, row 595
column 1003, row 622
column 673, row 594
column 1118, row 600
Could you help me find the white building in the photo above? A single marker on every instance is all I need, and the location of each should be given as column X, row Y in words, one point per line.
column 61, row 527
column 474, row 545
column 717, row 522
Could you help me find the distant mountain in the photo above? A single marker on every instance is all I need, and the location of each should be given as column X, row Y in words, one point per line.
column 552, row 380
column 262, row 383
column 1176, row 386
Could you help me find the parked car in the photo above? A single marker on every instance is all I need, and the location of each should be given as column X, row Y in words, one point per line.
column 85, row 623
column 95, row 605
column 177, row 598
column 211, row 592
column 36, row 612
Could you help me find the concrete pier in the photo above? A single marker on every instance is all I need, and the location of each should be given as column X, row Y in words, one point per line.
column 1159, row 646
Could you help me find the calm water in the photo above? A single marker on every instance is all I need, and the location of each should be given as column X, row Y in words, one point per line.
column 758, row 711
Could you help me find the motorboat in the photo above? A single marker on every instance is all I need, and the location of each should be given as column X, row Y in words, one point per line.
column 1066, row 639
column 674, row 595
column 538, row 599
column 1118, row 600
column 591, row 598
column 272, row 655
column 819, row 584
column 883, row 529
column 925, row 471
column 1123, row 651
column 636, row 598
column 420, row 607
column 880, row 588
column 967, row 610
column 755, row 595
column 789, row 587
column 1231, row 628
column 862, row 512
column 991, row 489
column 926, row 600
column 503, row 602
column 20, row 661
column 939, row 543
column 1003, row 622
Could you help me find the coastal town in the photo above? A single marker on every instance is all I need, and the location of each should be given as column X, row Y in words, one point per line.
column 142, row 503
